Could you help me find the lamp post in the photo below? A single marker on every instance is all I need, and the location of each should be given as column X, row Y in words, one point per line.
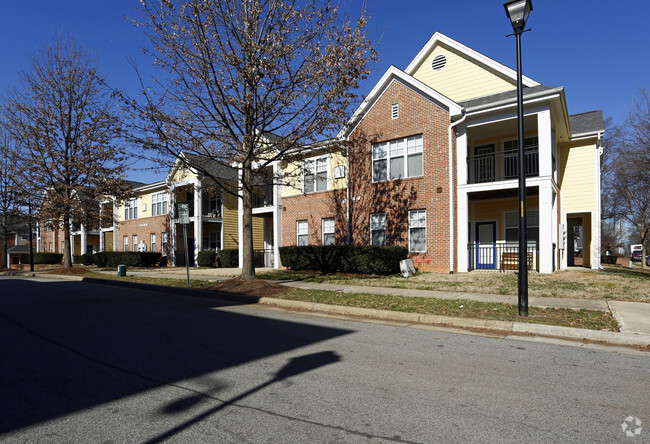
column 518, row 11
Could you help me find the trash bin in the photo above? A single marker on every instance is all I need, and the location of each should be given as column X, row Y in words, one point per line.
column 121, row 270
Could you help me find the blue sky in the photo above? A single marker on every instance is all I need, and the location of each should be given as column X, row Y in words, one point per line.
column 597, row 50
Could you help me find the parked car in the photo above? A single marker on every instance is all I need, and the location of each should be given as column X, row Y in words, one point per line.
column 636, row 256
column 647, row 260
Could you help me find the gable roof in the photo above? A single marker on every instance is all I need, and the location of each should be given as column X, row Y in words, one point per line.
column 389, row 76
column 481, row 59
column 587, row 123
column 507, row 97
column 201, row 165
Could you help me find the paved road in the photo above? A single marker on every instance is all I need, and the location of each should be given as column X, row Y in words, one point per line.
column 92, row 363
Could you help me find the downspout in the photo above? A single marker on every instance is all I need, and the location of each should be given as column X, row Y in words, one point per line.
column 347, row 187
column 599, row 144
column 451, row 195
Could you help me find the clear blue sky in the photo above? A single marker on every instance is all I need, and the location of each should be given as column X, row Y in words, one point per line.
column 598, row 50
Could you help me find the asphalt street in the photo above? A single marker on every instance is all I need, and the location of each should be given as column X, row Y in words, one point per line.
column 91, row 363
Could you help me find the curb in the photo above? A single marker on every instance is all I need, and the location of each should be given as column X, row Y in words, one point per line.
column 576, row 334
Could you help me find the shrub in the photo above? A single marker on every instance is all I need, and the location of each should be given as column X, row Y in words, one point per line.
column 364, row 259
column 608, row 259
column 87, row 259
column 129, row 258
column 229, row 258
column 207, row 258
column 48, row 258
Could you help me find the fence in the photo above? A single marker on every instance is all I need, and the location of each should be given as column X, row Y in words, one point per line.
column 500, row 256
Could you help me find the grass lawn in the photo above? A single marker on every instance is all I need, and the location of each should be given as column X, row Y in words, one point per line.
column 616, row 283
column 591, row 319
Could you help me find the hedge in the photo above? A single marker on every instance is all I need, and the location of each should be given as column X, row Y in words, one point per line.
column 229, row 258
column 48, row 258
column 87, row 259
column 207, row 258
column 605, row 259
column 364, row 259
column 130, row 258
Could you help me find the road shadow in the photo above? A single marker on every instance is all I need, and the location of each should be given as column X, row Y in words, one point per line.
column 70, row 346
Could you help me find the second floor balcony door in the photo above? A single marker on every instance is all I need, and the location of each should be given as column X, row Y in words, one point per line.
column 484, row 165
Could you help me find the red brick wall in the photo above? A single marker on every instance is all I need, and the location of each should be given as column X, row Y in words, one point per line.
column 417, row 115
column 142, row 228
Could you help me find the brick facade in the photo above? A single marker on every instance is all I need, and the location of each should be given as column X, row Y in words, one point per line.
column 143, row 228
column 418, row 115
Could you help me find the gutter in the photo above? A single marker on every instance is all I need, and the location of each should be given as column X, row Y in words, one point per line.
column 513, row 101
column 451, row 195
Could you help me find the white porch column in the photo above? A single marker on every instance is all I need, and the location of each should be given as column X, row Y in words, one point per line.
column 463, row 235
column 240, row 223
column 461, row 158
column 545, row 140
column 545, row 227
column 198, row 221
column 171, row 241
column 277, row 214
column 84, row 240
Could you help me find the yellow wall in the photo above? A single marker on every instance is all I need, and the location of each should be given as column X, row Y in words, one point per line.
column 143, row 198
column 461, row 78
column 258, row 233
column 578, row 177
column 108, row 241
column 230, row 222
column 493, row 210
column 183, row 174
column 293, row 175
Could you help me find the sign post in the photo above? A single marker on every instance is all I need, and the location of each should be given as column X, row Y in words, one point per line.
column 184, row 218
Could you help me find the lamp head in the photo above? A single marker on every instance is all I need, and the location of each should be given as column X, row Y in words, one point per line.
column 518, row 11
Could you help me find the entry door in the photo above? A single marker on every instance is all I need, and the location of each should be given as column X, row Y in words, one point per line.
column 486, row 245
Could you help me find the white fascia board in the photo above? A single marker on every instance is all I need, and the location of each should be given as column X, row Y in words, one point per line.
column 391, row 74
column 468, row 52
column 152, row 186
column 528, row 99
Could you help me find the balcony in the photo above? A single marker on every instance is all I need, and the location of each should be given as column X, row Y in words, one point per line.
column 502, row 165
column 263, row 197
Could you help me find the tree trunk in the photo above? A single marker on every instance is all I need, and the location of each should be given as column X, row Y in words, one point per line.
column 67, row 250
column 248, row 270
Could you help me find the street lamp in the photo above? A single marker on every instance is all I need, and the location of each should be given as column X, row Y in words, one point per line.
column 518, row 11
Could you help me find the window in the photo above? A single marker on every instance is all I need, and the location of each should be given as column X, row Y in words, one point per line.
column 397, row 158
column 163, row 244
column 378, row 229
column 512, row 227
column 417, row 230
column 135, row 242
column 152, row 239
column 328, row 232
column 394, row 111
column 315, row 174
column 131, row 209
column 159, row 203
column 126, row 243
column 50, row 247
column 302, row 230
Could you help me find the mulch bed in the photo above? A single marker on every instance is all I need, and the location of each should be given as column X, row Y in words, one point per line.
column 71, row 271
column 255, row 287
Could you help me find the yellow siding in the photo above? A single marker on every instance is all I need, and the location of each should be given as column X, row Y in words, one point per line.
column 578, row 177
column 293, row 175
column 182, row 174
column 461, row 78
column 258, row 233
column 230, row 222
column 108, row 241
column 494, row 210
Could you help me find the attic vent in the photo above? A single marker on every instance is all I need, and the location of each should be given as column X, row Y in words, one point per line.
column 439, row 62
column 394, row 111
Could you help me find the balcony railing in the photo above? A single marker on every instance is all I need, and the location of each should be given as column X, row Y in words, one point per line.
column 263, row 197
column 500, row 256
column 494, row 167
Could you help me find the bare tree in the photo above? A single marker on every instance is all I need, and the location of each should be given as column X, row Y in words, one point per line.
column 630, row 181
column 11, row 211
column 64, row 119
column 244, row 83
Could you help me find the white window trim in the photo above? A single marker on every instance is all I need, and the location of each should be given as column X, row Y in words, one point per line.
column 327, row 171
column 394, row 111
column 131, row 204
column 370, row 221
column 516, row 212
column 388, row 158
column 298, row 222
column 333, row 232
column 160, row 197
column 425, row 231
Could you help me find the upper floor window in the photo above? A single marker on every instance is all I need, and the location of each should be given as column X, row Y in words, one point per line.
column 159, row 202
column 315, row 174
column 397, row 158
column 131, row 209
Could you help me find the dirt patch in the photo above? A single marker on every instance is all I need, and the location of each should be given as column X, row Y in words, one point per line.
column 256, row 287
column 71, row 271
